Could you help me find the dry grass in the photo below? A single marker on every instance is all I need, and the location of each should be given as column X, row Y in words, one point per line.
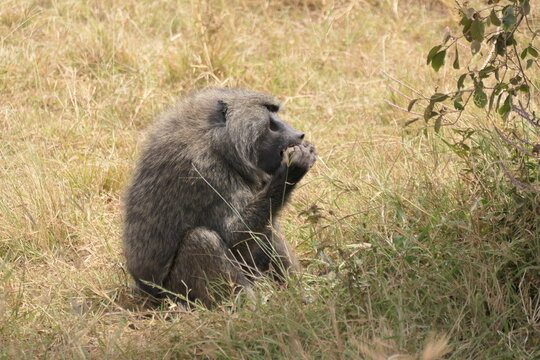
column 399, row 243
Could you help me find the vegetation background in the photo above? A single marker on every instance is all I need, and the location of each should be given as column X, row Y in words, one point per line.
column 410, row 250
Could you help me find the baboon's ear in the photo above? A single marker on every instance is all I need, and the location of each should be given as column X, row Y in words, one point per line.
column 221, row 113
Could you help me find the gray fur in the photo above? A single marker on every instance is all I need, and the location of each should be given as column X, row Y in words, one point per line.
column 206, row 193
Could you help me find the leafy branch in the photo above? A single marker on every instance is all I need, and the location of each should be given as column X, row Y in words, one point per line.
column 501, row 85
column 495, row 26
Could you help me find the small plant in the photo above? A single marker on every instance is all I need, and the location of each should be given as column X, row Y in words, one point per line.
column 497, row 78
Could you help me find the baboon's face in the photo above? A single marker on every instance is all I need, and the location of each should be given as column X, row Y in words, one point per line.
column 255, row 129
column 276, row 137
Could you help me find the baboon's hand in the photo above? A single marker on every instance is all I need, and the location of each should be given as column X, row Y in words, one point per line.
column 299, row 159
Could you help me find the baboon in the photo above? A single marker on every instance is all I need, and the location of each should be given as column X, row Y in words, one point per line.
column 203, row 203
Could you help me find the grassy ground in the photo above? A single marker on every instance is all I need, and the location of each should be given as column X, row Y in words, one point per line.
column 408, row 248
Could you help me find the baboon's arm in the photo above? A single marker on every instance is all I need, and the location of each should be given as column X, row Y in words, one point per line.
column 255, row 217
column 265, row 206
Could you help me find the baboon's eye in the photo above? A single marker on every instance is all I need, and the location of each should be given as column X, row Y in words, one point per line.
column 274, row 126
column 272, row 107
column 221, row 114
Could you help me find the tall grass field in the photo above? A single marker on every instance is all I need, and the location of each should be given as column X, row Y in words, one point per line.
column 411, row 250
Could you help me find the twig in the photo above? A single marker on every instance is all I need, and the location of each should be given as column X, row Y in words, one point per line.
column 521, row 112
column 522, row 140
column 403, row 84
column 402, row 108
column 508, row 141
column 517, row 182
column 399, row 92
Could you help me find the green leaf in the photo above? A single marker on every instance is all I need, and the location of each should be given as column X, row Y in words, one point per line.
column 438, row 122
column 509, row 18
column 434, row 50
column 438, row 60
column 532, row 51
column 500, row 87
column 458, row 103
column 438, row 97
column 480, row 97
column 494, row 19
column 524, row 53
column 409, row 122
column 475, row 46
column 524, row 88
column 428, row 112
column 511, row 40
column 461, row 80
column 515, row 80
column 459, row 106
column 477, row 30
column 484, row 73
column 491, row 98
column 500, row 44
column 411, row 104
column 529, row 63
column 466, row 28
column 455, row 65
column 498, row 101
column 507, row 106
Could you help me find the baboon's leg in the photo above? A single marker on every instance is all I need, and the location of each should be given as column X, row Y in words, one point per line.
column 270, row 252
column 204, row 269
column 285, row 260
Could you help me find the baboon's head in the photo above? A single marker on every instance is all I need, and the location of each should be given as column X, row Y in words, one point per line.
column 252, row 125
